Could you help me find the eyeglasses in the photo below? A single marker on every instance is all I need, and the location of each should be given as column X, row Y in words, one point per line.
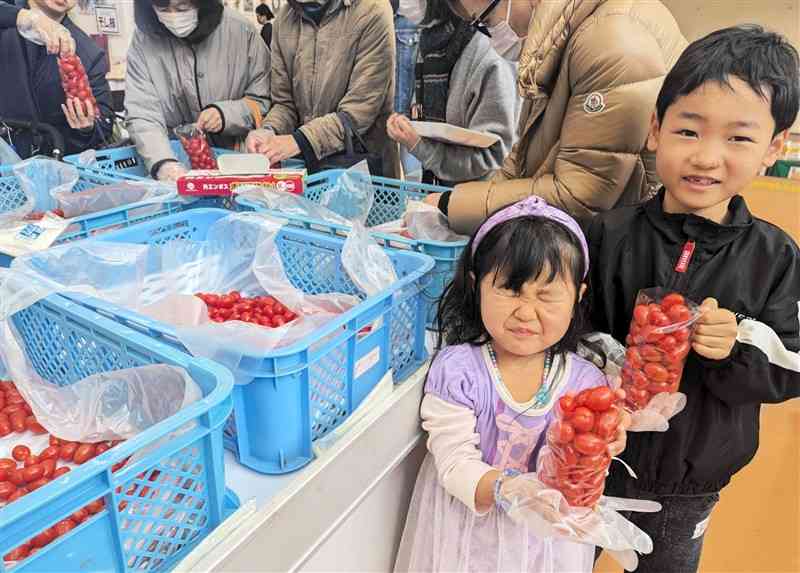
column 478, row 22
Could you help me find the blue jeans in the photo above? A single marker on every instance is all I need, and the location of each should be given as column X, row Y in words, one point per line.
column 407, row 40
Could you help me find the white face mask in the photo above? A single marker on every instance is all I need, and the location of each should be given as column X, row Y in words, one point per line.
column 181, row 24
column 505, row 40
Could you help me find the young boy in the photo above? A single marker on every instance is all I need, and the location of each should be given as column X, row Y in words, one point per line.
column 722, row 115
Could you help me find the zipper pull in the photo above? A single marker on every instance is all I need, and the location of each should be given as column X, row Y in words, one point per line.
column 686, row 256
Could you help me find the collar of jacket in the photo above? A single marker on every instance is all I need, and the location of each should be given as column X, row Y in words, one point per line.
column 678, row 227
column 333, row 7
column 550, row 30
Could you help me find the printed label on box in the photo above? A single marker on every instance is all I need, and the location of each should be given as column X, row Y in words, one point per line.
column 367, row 361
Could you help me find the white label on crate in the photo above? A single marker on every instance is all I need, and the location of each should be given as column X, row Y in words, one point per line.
column 367, row 361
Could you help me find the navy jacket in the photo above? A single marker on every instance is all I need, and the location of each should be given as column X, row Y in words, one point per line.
column 30, row 87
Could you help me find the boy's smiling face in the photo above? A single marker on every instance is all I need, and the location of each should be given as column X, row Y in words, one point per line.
column 711, row 144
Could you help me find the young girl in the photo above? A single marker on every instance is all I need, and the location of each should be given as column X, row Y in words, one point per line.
column 510, row 322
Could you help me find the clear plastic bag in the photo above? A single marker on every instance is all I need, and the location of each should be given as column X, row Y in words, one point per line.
column 106, row 406
column 423, row 222
column 8, row 156
column 548, row 514
column 112, row 196
column 195, row 144
column 40, row 179
column 240, row 253
column 609, row 355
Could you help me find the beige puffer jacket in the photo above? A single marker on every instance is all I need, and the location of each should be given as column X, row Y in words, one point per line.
column 590, row 72
column 344, row 64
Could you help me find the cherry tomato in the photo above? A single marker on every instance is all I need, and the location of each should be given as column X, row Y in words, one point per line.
column 641, row 314
column 679, row 353
column 83, row 454
column 278, row 321
column 45, row 537
column 6, row 489
column 650, row 353
column 18, row 554
column 54, row 441
column 634, row 358
column 667, row 343
column 50, row 452
column 599, row 461
column 60, row 472
column 18, row 493
column 49, row 466
column 17, row 420
column 67, row 451
column 658, row 318
column 80, row 516
column 20, row 453
column 640, row 380
column 671, row 300
column 638, row 396
column 34, row 426
column 656, row 372
column 41, row 482
column 583, row 395
column 96, row 506
column 679, row 313
column 582, row 419
column 589, row 444
column 64, row 526
column 32, row 473
column 14, row 397
column 7, row 464
column 101, row 448
column 567, row 403
column 658, row 387
column 600, row 399
column 562, row 432
column 15, row 476
column 31, row 460
column 606, row 424
column 650, row 333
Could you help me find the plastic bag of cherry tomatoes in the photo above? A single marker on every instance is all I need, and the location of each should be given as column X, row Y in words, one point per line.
column 658, row 344
column 575, row 458
column 75, row 81
column 195, row 144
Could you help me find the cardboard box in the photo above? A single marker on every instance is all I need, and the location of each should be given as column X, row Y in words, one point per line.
column 218, row 184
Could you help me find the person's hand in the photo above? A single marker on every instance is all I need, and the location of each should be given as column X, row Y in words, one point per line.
column 170, row 171
column 400, row 129
column 715, row 333
column 257, row 139
column 80, row 115
column 433, row 199
column 40, row 29
column 618, row 445
column 277, row 148
column 210, row 120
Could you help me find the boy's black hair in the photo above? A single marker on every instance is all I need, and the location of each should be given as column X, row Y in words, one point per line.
column 209, row 14
column 264, row 10
column 519, row 250
column 766, row 61
column 439, row 11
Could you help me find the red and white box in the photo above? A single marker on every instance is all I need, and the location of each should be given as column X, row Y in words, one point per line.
column 237, row 173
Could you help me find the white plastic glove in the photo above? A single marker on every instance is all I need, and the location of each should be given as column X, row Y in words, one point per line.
column 39, row 29
column 170, row 171
column 527, row 501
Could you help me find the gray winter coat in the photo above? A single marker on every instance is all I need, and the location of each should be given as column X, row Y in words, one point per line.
column 169, row 82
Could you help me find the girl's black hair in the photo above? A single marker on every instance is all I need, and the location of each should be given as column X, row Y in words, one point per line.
column 209, row 14
column 519, row 250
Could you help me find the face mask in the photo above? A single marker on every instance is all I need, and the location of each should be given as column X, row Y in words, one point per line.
column 505, row 40
column 181, row 24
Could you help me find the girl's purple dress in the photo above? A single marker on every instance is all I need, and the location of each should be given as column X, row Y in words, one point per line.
column 441, row 533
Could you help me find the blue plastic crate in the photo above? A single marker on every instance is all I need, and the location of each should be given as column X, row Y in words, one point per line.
column 126, row 161
column 179, row 461
column 301, row 392
column 391, row 198
column 12, row 197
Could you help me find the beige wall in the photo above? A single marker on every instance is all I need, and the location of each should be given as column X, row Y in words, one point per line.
column 699, row 17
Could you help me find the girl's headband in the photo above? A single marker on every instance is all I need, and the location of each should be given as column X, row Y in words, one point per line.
column 537, row 206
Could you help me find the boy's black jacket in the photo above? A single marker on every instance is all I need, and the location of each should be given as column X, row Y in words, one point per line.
column 753, row 269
